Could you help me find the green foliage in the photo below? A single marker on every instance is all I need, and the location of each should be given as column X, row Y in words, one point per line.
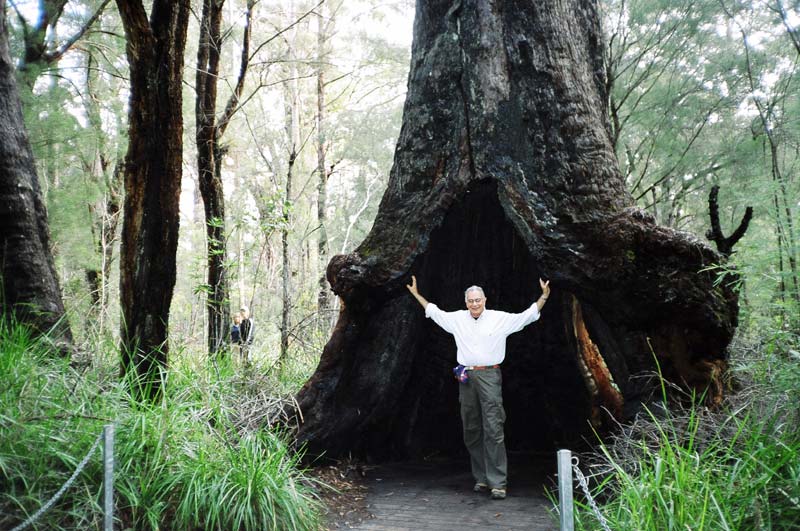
column 695, row 469
column 184, row 463
column 706, row 93
column 252, row 485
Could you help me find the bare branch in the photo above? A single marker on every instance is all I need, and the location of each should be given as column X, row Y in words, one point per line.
column 794, row 36
column 64, row 48
column 232, row 106
column 284, row 30
column 25, row 27
column 724, row 245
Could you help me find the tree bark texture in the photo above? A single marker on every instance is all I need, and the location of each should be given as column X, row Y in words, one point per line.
column 504, row 172
column 208, row 137
column 152, row 184
column 210, row 180
column 724, row 244
column 30, row 288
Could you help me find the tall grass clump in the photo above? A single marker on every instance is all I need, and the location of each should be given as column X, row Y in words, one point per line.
column 48, row 422
column 686, row 467
column 204, row 463
column 203, row 457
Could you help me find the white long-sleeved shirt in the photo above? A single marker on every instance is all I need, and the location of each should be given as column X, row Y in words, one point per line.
column 481, row 341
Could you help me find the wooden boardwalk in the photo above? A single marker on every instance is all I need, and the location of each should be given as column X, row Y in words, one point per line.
column 438, row 497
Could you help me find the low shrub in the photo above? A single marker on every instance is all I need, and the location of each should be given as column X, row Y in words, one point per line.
column 690, row 468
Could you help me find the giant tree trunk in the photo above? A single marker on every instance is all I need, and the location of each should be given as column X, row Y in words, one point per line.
column 504, row 172
column 152, row 184
column 29, row 287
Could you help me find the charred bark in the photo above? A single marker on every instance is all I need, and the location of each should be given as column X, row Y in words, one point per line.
column 724, row 244
column 30, row 288
column 208, row 135
column 152, row 185
column 504, row 171
column 209, row 179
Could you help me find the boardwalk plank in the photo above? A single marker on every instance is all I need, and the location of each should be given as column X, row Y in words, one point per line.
column 437, row 496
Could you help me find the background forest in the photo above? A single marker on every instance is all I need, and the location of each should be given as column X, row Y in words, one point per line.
column 329, row 87
column 703, row 93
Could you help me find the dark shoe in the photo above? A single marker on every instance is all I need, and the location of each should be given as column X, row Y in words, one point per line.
column 498, row 494
column 480, row 487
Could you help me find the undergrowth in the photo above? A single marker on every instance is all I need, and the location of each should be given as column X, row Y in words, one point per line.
column 202, row 458
column 681, row 468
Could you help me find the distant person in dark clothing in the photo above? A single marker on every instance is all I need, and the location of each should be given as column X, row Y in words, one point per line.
column 236, row 331
column 247, row 329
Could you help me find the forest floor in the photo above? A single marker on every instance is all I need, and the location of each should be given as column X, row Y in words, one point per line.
column 437, row 496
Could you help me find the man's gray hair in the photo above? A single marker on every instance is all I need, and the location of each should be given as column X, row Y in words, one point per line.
column 473, row 288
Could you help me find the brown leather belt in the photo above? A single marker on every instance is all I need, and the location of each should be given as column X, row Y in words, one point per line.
column 481, row 367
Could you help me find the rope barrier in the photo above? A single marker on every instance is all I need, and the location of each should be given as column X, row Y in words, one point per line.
column 35, row 516
column 585, row 487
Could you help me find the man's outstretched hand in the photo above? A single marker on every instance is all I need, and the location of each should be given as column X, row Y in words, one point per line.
column 542, row 300
column 545, row 287
column 413, row 286
column 413, row 289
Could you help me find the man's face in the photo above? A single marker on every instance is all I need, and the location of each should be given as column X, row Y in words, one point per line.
column 476, row 303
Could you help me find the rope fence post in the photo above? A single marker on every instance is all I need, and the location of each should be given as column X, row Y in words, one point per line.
column 565, row 490
column 108, row 477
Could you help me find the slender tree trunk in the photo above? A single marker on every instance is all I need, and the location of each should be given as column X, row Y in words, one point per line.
column 108, row 222
column 30, row 288
column 783, row 212
column 209, row 180
column 113, row 203
column 781, row 268
column 323, row 298
column 152, row 186
column 208, row 136
column 286, row 284
column 293, row 129
column 105, row 213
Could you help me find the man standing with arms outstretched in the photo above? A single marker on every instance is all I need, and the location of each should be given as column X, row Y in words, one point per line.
column 480, row 336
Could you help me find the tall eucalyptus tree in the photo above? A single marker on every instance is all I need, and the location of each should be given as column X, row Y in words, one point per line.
column 155, row 49
column 209, row 130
